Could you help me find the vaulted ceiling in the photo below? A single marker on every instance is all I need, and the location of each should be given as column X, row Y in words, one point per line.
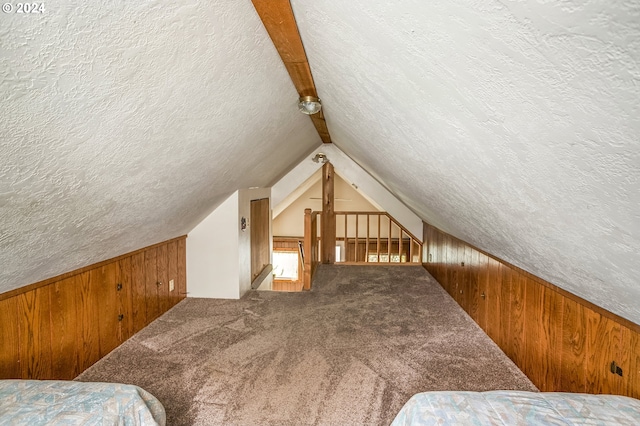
column 511, row 125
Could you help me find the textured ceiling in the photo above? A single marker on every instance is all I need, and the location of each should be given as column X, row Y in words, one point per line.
column 514, row 125
column 123, row 124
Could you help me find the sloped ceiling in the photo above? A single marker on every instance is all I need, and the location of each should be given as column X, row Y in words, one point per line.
column 124, row 124
column 513, row 125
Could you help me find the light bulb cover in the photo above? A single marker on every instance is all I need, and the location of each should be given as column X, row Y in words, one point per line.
column 309, row 105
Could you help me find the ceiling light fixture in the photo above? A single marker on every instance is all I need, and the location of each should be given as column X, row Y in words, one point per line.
column 309, row 105
column 320, row 158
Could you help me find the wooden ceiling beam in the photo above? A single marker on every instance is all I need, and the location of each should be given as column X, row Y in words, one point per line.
column 277, row 17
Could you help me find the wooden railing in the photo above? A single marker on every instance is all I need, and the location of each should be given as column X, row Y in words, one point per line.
column 363, row 238
column 375, row 237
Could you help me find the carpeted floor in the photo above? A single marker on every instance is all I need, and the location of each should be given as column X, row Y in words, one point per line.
column 350, row 352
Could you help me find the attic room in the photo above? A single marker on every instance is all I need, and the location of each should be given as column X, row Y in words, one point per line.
column 154, row 154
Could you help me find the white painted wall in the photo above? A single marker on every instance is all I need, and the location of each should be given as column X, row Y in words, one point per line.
column 213, row 250
column 290, row 187
column 219, row 251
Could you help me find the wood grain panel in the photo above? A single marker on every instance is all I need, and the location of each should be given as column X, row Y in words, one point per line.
column 574, row 346
column 552, row 319
column 473, row 299
column 162, row 263
column 138, row 293
column 35, row 334
column 605, row 342
column 483, row 272
column 633, row 385
column 107, row 295
column 87, row 305
column 462, row 282
column 65, row 354
column 10, row 338
column 494, row 290
column 125, row 298
column 452, row 269
column 172, row 271
column 535, row 362
column 517, row 313
column 504, row 337
column 151, row 286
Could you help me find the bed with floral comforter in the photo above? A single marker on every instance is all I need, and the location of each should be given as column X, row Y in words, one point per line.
column 50, row 402
column 518, row 408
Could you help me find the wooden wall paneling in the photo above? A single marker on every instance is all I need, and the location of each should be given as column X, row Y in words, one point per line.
column 162, row 263
column 107, row 293
column 606, row 343
column 563, row 343
column 172, row 272
column 483, row 272
column 35, row 334
column 464, row 284
column 10, row 338
column 574, row 346
column 87, row 306
column 451, row 271
column 505, row 311
column 473, row 298
column 444, row 270
column 494, row 289
column 138, row 292
column 125, row 299
column 536, row 362
column 151, row 284
column 517, row 313
column 65, row 353
column 182, row 267
column 442, row 258
column 633, row 386
column 552, row 321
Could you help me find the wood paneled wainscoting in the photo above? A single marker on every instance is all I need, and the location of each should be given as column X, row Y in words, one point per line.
column 560, row 341
column 57, row 328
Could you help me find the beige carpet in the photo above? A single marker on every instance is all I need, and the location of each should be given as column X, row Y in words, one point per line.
column 350, row 352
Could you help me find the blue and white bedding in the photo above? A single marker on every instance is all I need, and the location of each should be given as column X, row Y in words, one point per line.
column 35, row 402
column 518, row 408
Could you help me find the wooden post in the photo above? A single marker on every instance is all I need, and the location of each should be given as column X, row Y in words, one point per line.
column 328, row 216
column 308, row 250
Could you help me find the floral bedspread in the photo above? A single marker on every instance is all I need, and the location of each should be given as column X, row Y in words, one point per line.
column 48, row 402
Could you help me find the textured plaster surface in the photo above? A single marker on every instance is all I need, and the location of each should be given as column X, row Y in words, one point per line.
column 124, row 124
column 514, row 125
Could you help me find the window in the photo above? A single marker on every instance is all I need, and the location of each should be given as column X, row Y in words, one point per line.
column 285, row 265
